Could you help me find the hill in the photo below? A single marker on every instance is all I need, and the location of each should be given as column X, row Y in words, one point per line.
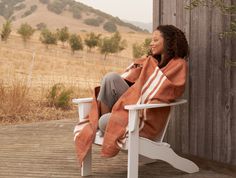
column 59, row 13
column 146, row 26
column 29, row 72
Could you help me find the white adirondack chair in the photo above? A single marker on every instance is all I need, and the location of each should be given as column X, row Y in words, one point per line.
column 151, row 150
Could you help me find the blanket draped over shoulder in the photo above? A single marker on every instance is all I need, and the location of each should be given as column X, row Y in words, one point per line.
column 151, row 85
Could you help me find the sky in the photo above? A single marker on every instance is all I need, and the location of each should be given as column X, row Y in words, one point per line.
column 132, row 10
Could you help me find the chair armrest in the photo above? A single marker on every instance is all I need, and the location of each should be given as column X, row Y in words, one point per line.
column 133, row 111
column 82, row 100
column 84, row 106
column 147, row 106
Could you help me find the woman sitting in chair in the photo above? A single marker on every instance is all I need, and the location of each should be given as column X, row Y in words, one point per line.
column 159, row 77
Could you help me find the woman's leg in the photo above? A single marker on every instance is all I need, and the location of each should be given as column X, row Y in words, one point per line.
column 104, row 108
column 102, row 123
column 112, row 87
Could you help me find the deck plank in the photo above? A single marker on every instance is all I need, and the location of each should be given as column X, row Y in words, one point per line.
column 46, row 149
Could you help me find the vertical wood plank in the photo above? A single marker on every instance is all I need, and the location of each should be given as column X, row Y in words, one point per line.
column 179, row 110
column 169, row 17
column 193, row 76
column 156, row 14
column 225, row 155
column 209, row 91
column 183, row 22
column 169, row 12
column 233, row 97
column 203, row 31
column 217, row 81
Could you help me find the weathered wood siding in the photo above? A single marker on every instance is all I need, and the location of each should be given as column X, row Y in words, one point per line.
column 206, row 127
column 233, row 96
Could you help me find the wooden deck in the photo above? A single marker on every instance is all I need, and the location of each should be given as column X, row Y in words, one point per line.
column 46, row 149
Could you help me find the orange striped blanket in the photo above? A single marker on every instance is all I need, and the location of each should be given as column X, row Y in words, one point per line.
column 151, row 85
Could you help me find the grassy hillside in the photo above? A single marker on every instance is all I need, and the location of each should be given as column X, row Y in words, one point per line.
column 36, row 81
column 59, row 13
column 28, row 73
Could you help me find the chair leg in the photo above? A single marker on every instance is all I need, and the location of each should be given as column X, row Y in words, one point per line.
column 133, row 148
column 181, row 163
column 162, row 152
column 133, row 162
column 86, row 168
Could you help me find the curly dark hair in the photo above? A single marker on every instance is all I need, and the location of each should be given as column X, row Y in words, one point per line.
column 175, row 44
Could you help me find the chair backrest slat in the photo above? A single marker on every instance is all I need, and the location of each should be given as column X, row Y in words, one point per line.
column 161, row 136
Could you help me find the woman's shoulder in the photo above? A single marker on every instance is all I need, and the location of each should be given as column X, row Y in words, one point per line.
column 178, row 61
column 176, row 64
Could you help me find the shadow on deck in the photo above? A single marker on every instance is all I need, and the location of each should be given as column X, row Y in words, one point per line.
column 46, row 149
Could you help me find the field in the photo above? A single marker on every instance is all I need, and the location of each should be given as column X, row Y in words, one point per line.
column 28, row 73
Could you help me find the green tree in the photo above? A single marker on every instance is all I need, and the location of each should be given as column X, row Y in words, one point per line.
column 30, row 11
column 47, row 37
column 113, row 44
column 75, row 42
column 141, row 49
column 7, row 8
column 122, row 45
column 92, row 40
column 26, row 31
column 118, row 43
column 106, row 46
column 57, row 6
column 76, row 9
column 117, row 38
column 63, row 34
column 137, row 50
column 41, row 26
column 44, row 1
column 146, row 45
column 110, row 26
column 92, row 22
column 6, row 31
column 76, row 14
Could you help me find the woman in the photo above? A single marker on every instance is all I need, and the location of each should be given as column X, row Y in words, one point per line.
column 113, row 85
column 159, row 77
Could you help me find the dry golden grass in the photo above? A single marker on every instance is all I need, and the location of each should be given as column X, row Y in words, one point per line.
column 20, row 103
column 27, row 73
column 13, row 98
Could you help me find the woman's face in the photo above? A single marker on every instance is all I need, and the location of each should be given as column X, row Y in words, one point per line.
column 157, row 43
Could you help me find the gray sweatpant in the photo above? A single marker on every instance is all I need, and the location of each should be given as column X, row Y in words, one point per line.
column 112, row 87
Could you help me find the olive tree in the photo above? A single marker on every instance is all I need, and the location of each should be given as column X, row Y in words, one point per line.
column 75, row 42
column 26, row 31
column 92, row 40
column 47, row 37
column 6, row 31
